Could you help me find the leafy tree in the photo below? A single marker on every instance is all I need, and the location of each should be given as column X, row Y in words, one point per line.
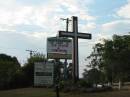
column 95, row 58
column 116, row 57
column 112, row 58
column 8, row 68
column 28, row 68
column 93, row 76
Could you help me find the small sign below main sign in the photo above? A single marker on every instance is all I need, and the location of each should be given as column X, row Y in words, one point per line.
column 43, row 73
column 59, row 48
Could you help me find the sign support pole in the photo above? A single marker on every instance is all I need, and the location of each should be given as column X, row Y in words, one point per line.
column 65, row 63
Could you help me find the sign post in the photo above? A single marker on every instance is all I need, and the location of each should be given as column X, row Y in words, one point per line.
column 59, row 48
column 65, row 63
column 75, row 35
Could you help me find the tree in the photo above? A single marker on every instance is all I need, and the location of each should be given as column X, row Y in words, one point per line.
column 95, row 58
column 112, row 58
column 116, row 57
column 8, row 68
column 93, row 76
column 28, row 68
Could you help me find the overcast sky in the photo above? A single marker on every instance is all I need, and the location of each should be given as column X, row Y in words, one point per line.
column 26, row 24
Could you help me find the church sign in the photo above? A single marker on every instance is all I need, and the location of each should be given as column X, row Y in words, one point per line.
column 43, row 73
column 59, row 48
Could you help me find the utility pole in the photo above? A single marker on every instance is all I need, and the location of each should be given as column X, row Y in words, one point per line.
column 30, row 52
column 65, row 63
column 67, row 22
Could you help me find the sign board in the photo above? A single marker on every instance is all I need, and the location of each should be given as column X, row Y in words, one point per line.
column 43, row 73
column 60, row 48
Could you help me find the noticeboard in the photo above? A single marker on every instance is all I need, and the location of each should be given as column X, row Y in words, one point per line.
column 59, row 48
column 43, row 73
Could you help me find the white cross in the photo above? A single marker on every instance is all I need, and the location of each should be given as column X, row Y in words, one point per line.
column 75, row 35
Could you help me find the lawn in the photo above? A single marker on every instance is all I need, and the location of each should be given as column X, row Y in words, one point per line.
column 43, row 92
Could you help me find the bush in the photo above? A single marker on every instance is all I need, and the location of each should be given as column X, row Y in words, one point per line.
column 84, row 83
column 69, row 85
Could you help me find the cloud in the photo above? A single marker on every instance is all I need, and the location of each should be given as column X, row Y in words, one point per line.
column 91, row 25
column 46, row 16
column 26, row 25
column 5, row 29
column 124, row 11
column 7, row 3
column 15, row 43
column 117, row 27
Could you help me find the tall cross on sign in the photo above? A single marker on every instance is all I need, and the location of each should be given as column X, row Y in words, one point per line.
column 75, row 35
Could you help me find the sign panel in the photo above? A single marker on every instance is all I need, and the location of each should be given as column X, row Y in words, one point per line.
column 58, row 47
column 43, row 73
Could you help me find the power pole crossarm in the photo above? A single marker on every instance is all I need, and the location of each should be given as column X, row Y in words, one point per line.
column 30, row 52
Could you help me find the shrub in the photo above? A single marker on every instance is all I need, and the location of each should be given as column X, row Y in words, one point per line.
column 84, row 83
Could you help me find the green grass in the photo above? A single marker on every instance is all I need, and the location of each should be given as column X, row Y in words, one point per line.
column 28, row 92
column 43, row 92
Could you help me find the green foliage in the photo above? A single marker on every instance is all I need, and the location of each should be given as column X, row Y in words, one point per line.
column 84, row 83
column 112, row 59
column 94, row 76
column 28, row 68
column 9, row 66
column 37, row 58
column 116, row 56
